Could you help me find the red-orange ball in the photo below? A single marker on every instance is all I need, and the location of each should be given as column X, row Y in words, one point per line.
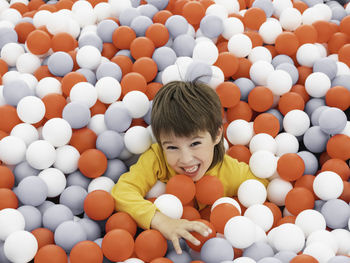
column 209, row 189
column 150, row 244
column 182, row 187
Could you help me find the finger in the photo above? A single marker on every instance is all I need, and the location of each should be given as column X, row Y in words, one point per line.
column 176, row 245
column 201, row 228
column 187, row 235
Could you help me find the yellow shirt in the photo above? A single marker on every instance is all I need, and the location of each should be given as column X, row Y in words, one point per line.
column 132, row 186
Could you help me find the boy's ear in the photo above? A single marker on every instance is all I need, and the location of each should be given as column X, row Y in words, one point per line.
column 219, row 134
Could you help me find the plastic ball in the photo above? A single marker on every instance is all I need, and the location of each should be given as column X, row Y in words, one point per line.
column 68, row 234
column 27, row 63
column 150, row 244
column 176, row 25
column 77, row 178
column 216, row 250
column 137, row 139
column 67, row 158
column 342, row 237
column 15, row 90
column 32, row 217
column 179, row 258
column 328, row 185
column 296, row 122
column 262, row 141
column 101, row 183
column 315, row 140
column 263, row 163
column 12, row 150
column 269, row 30
column 108, row 89
column 73, row 197
column 30, row 109
column 336, row 120
column 319, row 251
column 258, row 251
column 121, row 220
column 57, row 131
column 240, row 45
column 47, row 86
column 260, row 53
column 308, row 54
column 77, row 114
column 239, row 132
column 118, row 245
column 32, row 190
column 111, row 143
column 208, row 189
column 60, row 63
column 251, row 192
column 288, row 237
column 20, row 246
column 55, row 215
column 228, row 200
column 221, row 214
column 88, row 57
column 182, row 187
column 183, row 45
column 97, row 124
column 86, row 251
column 169, row 205
column 291, row 70
column 54, row 179
column 137, row 103
column 317, row 84
column 40, row 154
column 117, row 117
column 260, row 215
column 12, row 221
column 310, row 220
column 260, row 71
column 232, row 26
column 290, row 19
column 205, row 51
column 277, row 191
column 240, row 232
column 243, row 260
column 336, row 213
column 279, row 82
column 99, row 205
column 49, row 251
column 28, row 133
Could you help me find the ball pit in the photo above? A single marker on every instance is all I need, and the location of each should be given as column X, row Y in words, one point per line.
column 77, row 79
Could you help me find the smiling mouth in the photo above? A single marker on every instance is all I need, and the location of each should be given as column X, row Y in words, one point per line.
column 191, row 171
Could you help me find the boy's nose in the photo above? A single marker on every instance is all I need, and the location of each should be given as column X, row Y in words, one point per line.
column 186, row 157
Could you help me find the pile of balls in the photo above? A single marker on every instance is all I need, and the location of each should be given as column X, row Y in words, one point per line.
column 77, row 82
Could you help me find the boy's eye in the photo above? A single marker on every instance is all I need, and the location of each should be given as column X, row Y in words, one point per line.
column 195, row 143
column 171, row 148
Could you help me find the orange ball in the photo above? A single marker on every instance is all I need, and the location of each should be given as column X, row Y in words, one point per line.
column 303, row 258
column 221, row 214
column 260, row 99
column 158, row 33
column 290, row 166
column 300, row 89
column 142, row 47
column 276, row 211
column 286, row 219
column 44, row 236
column 7, row 179
column 228, row 93
column 99, row 205
column 306, row 181
column 266, row 123
column 121, row 220
column 133, row 81
column 124, row 62
column 182, row 187
column 290, row 101
column 338, row 166
column 161, row 260
column 92, row 163
column 240, row 152
column 287, row 43
column 147, row 67
column 346, row 192
column 228, row 63
column 201, row 238
column 8, row 199
column 193, row 11
column 240, row 111
column 338, row 147
column 209, row 189
column 54, row 105
column 118, row 245
column 150, row 244
column 86, row 252
column 339, row 97
column 299, row 199
column 152, row 89
column 306, row 34
column 8, row 117
column 38, row 42
column 123, row 36
column 69, row 80
column 190, row 213
column 51, row 254
column 254, row 17
column 63, row 42
column 83, row 139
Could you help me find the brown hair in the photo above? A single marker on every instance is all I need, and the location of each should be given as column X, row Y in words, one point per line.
column 186, row 108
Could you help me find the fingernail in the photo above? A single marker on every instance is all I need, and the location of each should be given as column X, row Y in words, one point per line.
column 206, row 233
column 210, row 231
column 197, row 243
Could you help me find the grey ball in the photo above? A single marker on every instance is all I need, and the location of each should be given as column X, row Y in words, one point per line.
column 216, row 250
column 73, row 197
column 341, row 80
column 339, row 259
column 111, row 143
column 316, row 115
column 291, row 70
column 176, row 25
column 211, row 26
column 32, row 217
column 140, row 24
column 88, row 74
column 109, row 69
column 60, row 63
column 183, row 45
column 125, row 52
column 14, row 90
column 245, row 86
column 90, row 39
column 127, row 15
column 7, row 35
column 91, row 228
column 32, row 190
column 164, row 57
column 336, row 213
column 3, row 258
column 258, row 250
column 77, row 178
column 68, row 234
column 310, row 161
column 315, row 140
column 184, row 257
column 338, row 13
column 280, row 59
column 160, row 4
column 23, row 170
column 55, row 215
column 265, row 5
column 147, row 117
column 332, row 120
column 327, row 66
column 318, row 205
column 115, row 168
column 105, row 30
column 313, row 104
column 285, row 256
column 44, row 206
column 117, row 117
column 198, row 70
column 77, row 114
column 147, row 10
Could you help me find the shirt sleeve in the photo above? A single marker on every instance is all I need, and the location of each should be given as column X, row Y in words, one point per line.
column 132, row 186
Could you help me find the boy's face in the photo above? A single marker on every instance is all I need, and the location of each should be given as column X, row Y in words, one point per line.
column 191, row 156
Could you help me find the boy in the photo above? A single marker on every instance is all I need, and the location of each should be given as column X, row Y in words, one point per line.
column 186, row 121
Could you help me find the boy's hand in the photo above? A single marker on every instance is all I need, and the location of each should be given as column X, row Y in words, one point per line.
column 173, row 229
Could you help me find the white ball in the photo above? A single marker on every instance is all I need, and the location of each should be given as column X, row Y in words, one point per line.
column 137, row 103
column 137, row 139
column 31, row 109
column 48, row 85
column 232, row 26
column 217, row 10
column 260, row 234
column 319, row 251
column 9, row 76
column 67, row 158
column 227, row 200
column 101, row 183
column 269, row 31
column 260, row 53
column 309, row 221
column 31, row 81
column 286, row 212
column 97, row 124
column 88, row 57
column 85, row 16
column 342, row 237
column 342, row 68
column 108, row 90
column 27, row 63
column 205, row 51
column 11, row 15
column 182, row 63
column 324, row 236
column 20, row 246
column 28, row 133
column 55, row 181
column 296, row 122
column 40, row 154
column 281, row 5
column 133, row 260
column 307, row 54
column 251, row 192
column 171, row 73
column 286, row 143
column 11, row 220
column 118, row 6
column 290, row 19
column 317, row 84
column 288, row 237
column 41, row 18
column 10, row 52
column 241, row 260
column 217, row 77
column 240, row 231
column 259, row 72
column 262, row 141
column 325, row 10
column 169, row 205
column 58, row 23
column 157, row 189
column 277, row 191
column 240, row 45
column 263, row 164
column 328, row 185
column 57, row 131
column 84, row 92
column 239, row 132
column 279, row 82
column 12, row 150
column 260, row 215
column 232, row 6
column 311, row 15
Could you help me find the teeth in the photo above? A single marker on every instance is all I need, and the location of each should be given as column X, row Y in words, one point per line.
column 191, row 170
